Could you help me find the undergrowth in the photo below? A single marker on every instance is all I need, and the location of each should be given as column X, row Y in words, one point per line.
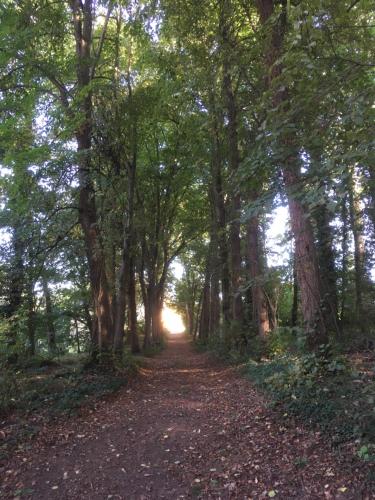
column 324, row 392
column 42, row 391
column 321, row 389
column 54, row 386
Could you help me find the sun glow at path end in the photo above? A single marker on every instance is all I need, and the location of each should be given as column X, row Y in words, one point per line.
column 172, row 321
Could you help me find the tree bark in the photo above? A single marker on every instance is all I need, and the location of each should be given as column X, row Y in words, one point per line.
column 197, row 316
column 118, row 342
column 327, row 266
column 234, row 162
column 357, row 225
column 51, row 333
column 308, row 273
column 77, row 336
column 31, row 320
column 156, row 314
column 214, row 300
column 204, row 320
column 371, row 191
column 219, row 210
column 146, row 301
column 133, row 328
column 256, row 270
column 83, row 23
column 325, row 249
column 130, row 230
column 16, row 288
column 344, row 260
column 294, row 312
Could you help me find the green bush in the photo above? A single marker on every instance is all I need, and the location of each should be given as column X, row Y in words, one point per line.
column 234, row 346
column 285, row 339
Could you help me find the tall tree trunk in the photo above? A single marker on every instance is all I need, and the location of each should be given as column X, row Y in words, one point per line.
column 118, row 342
column 91, row 323
column 110, row 251
column 191, row 303
column 259, row 298
column 327, row 266
column 357, row 226
column 214, row 300
column 148, row 324
column 294, row 312
column 219, row 209
column 188, row 317
column 325, row 248
column 51, row 333
column 234, row 162
column 344, row 260
column 131, row 239
column 77, row 336
column 204, row 320
column 146, row 303
column 31, row 319
column 213, row 276
column 197, row 316
column 83, row 22
column 133, row 328
column 16, row 287
column 308, row 272
column 156, row 314
column 248, row 302
column 371, row 191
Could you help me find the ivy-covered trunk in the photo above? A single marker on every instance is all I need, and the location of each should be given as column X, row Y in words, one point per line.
column 344, row 259
column 357, row 227
column 219, row 210
column 51, row 333
column 233, row 162
column 82, row 21
column 327, row 266
column 31, row 347
column 16, row 288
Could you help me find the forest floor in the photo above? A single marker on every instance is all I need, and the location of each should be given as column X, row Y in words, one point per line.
column 187, row 427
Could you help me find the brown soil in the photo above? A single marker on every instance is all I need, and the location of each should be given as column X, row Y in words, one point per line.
column 188, row 427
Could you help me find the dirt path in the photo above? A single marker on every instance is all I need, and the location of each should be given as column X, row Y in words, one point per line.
column 188, row 427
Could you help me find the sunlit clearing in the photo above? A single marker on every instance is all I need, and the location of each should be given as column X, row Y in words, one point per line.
column 172, row 321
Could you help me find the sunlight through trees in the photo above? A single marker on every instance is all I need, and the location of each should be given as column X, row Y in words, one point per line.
column 172, row 321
